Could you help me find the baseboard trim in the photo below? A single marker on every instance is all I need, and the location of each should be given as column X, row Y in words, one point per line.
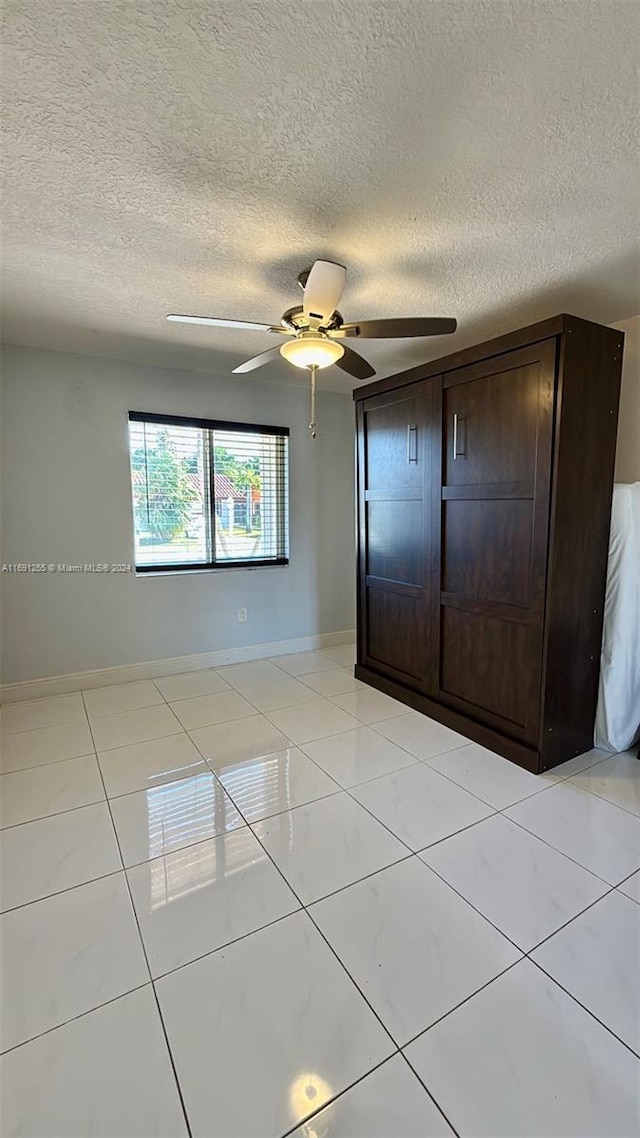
column 79, row 681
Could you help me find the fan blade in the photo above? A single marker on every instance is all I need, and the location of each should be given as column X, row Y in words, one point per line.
column 356, row 365
column 258, row 361
column 322, row 292
column 404, row 326
column 215, row 322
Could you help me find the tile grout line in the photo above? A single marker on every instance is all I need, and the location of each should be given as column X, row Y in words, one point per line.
column 439, row 754
column 528, row 957
column 466, row 1000
column 302, row 908
column 372, row 726
column 51, row 763
column 364, row 781
column 167, row 782
column 67, row 888
column 409, row 854
column 591, row 905
column 388, row 828
column 396, row 1055
column 423, row 1084
column 305, row 909
column 601, row 797
column 412, row 853
column 301, row 806
column 180, row 849
column 146, row 958
column 147, row 983
column 72, row 1019
column 314, row 1114
column 474, row 907
column 56, row 814
column 348, row 790
column 227, row 944
column 400, row 1047
column 524, row 952
column 636, row 1054
column 584, row 868
column 502, row 810
column 558, row 779
column 568, row 779
column 339, row 788
column 139, row 742
column 300, row 746
column 624, row 881
column 288, row 809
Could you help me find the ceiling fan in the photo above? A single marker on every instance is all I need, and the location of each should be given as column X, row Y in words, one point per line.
column 316, row 330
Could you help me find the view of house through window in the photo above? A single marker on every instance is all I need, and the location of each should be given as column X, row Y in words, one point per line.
column 207, row 494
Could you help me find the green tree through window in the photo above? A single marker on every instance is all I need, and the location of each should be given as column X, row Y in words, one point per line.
column 241, row 472
column 163, row 501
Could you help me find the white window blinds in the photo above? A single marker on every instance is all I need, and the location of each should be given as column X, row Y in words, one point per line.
column 208, row 494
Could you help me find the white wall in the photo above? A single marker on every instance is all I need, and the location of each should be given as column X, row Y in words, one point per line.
column 67, row 499
column 628, row 449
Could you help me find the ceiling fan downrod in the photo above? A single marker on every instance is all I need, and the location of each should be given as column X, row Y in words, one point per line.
column 313, row 368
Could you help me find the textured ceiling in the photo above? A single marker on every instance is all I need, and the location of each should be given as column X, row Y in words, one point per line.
column 464, row 159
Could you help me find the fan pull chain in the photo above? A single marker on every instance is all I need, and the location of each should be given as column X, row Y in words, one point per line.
column 312, row 424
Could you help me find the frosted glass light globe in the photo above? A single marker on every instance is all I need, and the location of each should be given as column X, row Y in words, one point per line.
column 310, row 349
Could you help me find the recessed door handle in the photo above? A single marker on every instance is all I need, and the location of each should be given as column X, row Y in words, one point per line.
column 412, row 442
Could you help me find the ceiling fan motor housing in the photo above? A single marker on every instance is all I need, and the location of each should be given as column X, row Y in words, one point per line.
column 294, row 318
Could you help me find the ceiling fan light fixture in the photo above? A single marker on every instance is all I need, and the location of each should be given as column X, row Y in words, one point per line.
column 310, row 349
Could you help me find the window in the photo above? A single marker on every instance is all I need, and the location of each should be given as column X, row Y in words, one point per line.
column 208, row 494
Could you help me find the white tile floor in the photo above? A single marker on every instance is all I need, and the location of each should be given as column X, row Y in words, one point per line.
column 266, row 900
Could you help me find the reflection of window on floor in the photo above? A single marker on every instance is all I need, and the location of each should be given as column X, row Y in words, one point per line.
column 189, row 811
column 179, row 813
column 263, row 786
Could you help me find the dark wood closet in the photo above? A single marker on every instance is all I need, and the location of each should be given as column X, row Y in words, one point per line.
column 484, row 495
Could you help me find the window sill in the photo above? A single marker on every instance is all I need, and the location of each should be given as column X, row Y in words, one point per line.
column 196, row 572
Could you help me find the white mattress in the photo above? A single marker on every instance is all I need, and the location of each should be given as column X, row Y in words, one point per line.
column 618, row 715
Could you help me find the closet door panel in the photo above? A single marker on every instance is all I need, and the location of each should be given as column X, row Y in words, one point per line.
column 392, row 549
column 395, row 452
column 491, row 427
column 497, row 419
column 488, row 664
column 496, row 528
column 394, row 442
column 394, row 621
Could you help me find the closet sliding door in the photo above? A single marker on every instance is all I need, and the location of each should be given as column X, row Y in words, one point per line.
column 497, row 419
column 396, row 434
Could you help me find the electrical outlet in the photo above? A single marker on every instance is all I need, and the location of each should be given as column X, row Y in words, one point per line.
column 242, row 616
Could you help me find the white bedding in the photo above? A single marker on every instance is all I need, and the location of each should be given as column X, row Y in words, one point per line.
column 618, row 715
